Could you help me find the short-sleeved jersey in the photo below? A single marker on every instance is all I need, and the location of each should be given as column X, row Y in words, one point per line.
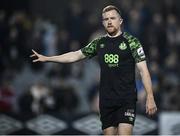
column 117, row 57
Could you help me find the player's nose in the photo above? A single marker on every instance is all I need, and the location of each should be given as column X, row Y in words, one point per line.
column 109, row 22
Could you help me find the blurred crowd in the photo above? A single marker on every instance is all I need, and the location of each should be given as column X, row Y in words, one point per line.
column 73, row 88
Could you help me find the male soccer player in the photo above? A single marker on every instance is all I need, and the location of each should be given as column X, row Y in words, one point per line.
column 118, row 53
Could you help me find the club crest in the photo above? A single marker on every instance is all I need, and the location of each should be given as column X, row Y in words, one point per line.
column 122, row 46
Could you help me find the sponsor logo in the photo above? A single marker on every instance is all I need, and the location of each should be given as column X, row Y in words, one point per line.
column 9, row 125
column 130, row 114
column 45, row 124
column 89, row 124
column 111, row 58
column 143, row 125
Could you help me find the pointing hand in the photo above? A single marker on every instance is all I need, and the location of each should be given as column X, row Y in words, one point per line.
column 39, row 57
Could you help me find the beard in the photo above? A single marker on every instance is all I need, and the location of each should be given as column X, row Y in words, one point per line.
column 111, row 30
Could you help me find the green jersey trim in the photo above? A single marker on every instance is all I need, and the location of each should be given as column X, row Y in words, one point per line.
column 91, row 49
column 136, row 48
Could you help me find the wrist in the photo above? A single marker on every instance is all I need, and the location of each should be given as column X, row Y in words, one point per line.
column 46, row 58
column 150, row 96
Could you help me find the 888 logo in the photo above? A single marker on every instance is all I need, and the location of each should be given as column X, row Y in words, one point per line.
column 111, row 59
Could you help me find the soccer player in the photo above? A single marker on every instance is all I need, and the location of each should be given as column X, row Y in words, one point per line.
column 118, row 53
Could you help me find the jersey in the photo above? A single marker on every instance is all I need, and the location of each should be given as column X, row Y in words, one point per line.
column 117, row 57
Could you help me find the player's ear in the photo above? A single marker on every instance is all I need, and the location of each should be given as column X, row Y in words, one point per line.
column 121, row 21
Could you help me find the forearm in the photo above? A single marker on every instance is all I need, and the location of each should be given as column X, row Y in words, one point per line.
column 65, row 58
column 146, row 79
column 151, row 107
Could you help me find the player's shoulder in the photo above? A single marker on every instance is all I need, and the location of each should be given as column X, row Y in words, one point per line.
column 101, row 37
column 128, row 36
column 98, row 39
column 134, row 43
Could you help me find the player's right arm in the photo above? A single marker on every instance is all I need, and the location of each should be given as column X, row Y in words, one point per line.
column 88, row 51
column 64, row 58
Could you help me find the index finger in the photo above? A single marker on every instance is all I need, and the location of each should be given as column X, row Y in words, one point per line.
column 33, row 55
column 34, row 52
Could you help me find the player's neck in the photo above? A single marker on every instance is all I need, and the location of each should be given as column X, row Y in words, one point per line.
column 115, row 35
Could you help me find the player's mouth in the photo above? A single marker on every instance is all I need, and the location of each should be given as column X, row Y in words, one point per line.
column 110, row 26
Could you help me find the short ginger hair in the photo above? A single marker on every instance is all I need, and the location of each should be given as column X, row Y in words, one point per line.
column 111, row 7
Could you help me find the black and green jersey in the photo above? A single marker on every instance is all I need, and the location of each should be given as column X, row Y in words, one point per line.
column 117, row 57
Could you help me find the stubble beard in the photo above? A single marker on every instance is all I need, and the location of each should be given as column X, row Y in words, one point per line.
column 113, row 32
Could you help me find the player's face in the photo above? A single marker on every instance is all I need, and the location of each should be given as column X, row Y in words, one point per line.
column 112, row 21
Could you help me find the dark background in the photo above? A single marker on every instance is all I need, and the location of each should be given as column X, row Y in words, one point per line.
column 70, row 91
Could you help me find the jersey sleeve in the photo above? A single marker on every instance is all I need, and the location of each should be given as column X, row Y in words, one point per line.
column 91, row 49
column 136, row 49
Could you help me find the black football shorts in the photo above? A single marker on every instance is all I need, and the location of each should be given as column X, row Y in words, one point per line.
column 112, row 115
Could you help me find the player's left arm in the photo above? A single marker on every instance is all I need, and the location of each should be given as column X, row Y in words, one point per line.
column 140, row 60
column 151, row 107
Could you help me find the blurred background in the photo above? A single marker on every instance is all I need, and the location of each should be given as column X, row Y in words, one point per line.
column 52, row 98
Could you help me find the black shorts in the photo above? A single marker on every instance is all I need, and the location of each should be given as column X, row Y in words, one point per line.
column 125, row 112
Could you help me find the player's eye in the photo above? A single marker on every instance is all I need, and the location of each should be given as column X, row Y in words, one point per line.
column 113, row 18
column 105, row 19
